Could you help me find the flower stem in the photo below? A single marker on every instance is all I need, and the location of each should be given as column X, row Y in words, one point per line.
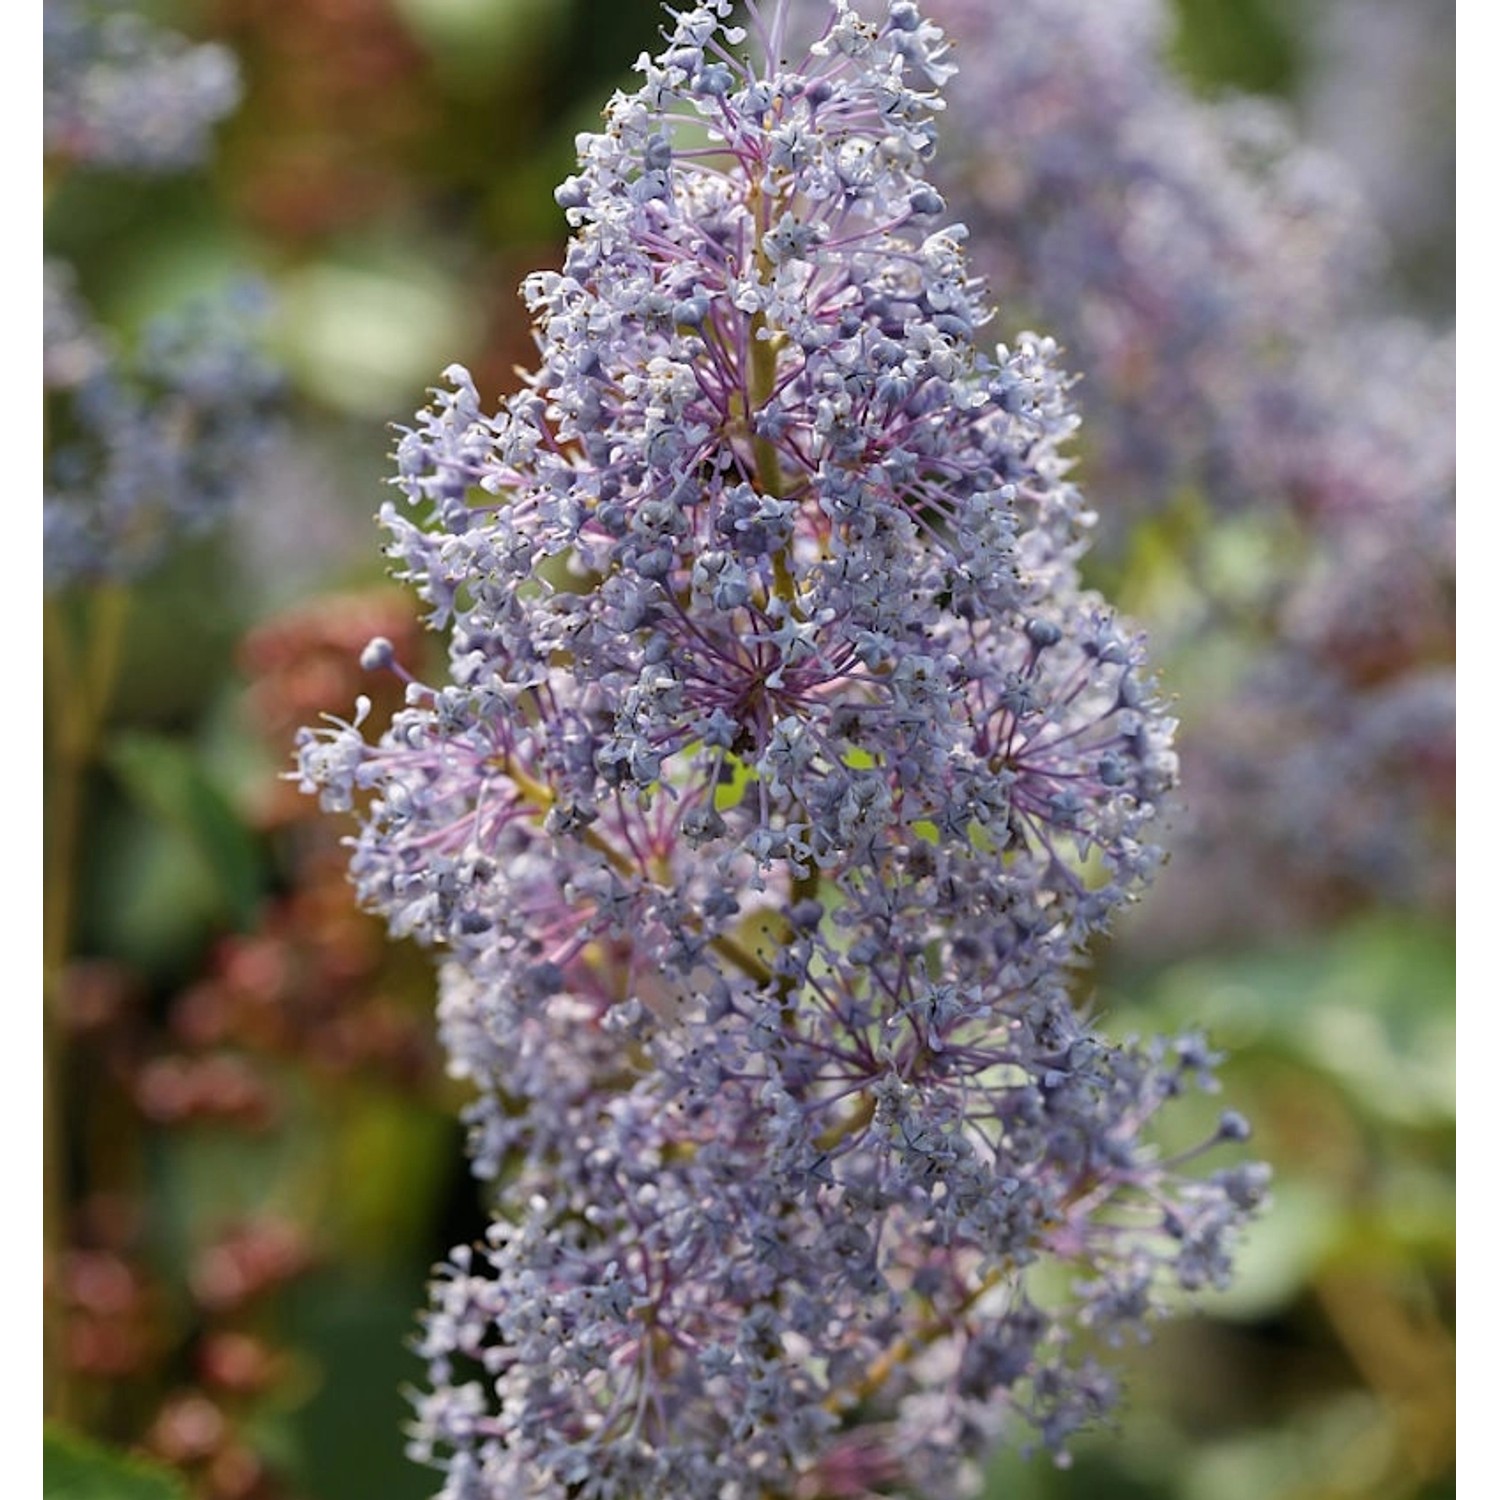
column 81, row 664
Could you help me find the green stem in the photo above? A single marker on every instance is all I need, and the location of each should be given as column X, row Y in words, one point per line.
column 762, row 386
column 81, row 664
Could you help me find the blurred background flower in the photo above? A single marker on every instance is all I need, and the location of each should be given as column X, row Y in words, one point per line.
column 1235, row 215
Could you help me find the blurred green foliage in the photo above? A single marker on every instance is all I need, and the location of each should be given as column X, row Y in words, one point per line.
column 1242, row 44
column 75, row 1469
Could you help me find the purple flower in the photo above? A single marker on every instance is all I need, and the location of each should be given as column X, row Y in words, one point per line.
column 783, row 770
column 120, row 92
column 153, row 442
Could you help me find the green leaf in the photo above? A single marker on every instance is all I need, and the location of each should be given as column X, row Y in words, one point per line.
column 1239, row 44
column 75, row 1469
column 358, row 1330
column 167, row 779
column 1370, row 1005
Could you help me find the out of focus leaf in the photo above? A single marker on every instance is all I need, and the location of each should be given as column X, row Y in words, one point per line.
column 1343, row 1446
column 145, row 899
column 76, row 1469
column 483, row 37
column 166, row 778
column 1240, row 44
column 209, row 1177
column 368, row 334
column 1371, row 1006
column 359, row 1330
column 392, row 1159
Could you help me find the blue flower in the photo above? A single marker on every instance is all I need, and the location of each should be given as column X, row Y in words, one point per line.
column 783, row 770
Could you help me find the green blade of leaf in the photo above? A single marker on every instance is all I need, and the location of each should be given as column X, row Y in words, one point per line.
column 74, row 1468
column 168, row 780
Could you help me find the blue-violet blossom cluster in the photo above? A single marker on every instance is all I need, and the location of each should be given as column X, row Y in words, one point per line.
column 151, row 439
column 783, row 770
column 120, row 92
column 148, row 443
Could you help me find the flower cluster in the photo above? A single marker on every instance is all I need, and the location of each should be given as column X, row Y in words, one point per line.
column 152, row 442
column 1174, row 244
column 783, row 771
column 1218, row 280
column 1364, row 54
column 120, row 92
column 147, row 444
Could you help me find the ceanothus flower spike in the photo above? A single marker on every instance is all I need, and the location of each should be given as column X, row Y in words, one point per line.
column 783, row 770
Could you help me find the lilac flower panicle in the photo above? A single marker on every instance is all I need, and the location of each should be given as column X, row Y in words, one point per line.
column 149, row 440
column 148, row 443
column 783, row 770
column 120, row 92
